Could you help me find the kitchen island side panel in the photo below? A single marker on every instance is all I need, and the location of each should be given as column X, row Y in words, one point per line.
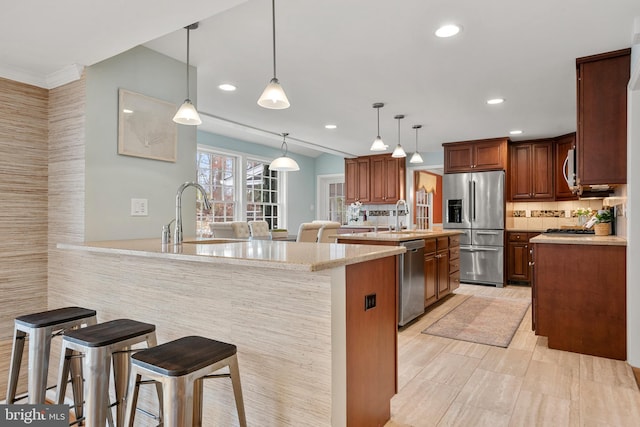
column 280, row 321
column 581, row 298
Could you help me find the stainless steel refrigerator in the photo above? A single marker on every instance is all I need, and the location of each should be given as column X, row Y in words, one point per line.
column 474, row 203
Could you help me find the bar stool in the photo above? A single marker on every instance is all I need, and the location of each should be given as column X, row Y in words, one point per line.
column 41, row 327
column 181, row 366
column 100, row 344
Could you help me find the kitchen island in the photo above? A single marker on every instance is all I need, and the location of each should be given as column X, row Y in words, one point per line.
column 579, row 293
column 310, row 354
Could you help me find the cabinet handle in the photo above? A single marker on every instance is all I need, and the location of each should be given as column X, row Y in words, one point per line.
column 531, row 263
column 526, row 246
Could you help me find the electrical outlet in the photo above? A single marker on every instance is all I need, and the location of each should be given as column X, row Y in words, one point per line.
column 139, row 207
column 369, row 301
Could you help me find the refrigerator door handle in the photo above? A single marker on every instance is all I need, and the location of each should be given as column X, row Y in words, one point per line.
column 474, row 199
column 471, row 202
column 488, row 233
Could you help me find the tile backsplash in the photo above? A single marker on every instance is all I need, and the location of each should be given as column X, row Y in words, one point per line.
column 538, row 216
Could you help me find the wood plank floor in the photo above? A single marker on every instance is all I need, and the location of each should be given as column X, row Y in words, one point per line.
column 444, row 382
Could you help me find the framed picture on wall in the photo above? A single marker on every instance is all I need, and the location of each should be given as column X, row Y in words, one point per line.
column 146, row 128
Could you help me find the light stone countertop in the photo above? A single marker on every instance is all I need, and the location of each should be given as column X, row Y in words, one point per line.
column 402, row 236
column 575, row 239
column 260, row 253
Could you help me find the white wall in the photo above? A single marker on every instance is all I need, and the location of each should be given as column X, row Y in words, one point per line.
column 112, row 179
column 633, row 213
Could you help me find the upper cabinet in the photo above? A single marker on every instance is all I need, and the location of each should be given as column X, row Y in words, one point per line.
column 376, row 179
column 562, row 146
column 531, row 170
column 475, row 156
column 601, row 141
column 356, row 174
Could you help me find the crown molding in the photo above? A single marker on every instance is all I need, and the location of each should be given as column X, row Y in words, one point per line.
column 61, row 77
column 65, row 75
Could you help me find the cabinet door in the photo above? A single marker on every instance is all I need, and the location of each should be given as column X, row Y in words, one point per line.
column 363, row 179
column 602, row 118
column 458, row 158
column 351, row 180
column 394, row 179
column 490, row 155
column 562, row 146
column 542, row 170
column 520, row 172
column 518, row 261
column 443, row 272
column 378, row 179
column 430, row 278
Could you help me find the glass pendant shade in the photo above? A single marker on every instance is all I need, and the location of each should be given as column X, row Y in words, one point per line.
column 273, row 96
column 378, row 145
column 416, row 158
column 399, row 152
column 187, row 114
column 284, row 163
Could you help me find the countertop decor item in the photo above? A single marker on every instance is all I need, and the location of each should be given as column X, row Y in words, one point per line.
column 273, row 96
column 602, row 227
column 187, row 113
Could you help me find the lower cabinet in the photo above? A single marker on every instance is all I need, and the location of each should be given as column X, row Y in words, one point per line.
column 518, row 256
column 441, row 267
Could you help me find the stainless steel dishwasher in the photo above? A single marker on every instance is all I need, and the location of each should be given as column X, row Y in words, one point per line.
column 411, row 282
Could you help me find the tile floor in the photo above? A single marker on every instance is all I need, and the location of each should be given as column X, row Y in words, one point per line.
column 444, row 382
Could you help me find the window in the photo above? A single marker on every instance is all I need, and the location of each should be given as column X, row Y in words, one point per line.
column 262, row 193
column 240, row 188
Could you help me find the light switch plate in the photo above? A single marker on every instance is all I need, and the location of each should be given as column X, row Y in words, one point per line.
column 139, row 207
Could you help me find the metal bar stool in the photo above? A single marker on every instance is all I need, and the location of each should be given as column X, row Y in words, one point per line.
column 100, row 344
column 41, row 327
column 181, row 366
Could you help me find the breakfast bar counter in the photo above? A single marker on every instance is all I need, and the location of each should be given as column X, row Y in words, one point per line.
column 311, row 352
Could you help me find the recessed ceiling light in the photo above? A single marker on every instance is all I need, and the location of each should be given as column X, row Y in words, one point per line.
column 227, row 87
column 515, row 132
column 495, row 101
column 330, row 126
column 448, row 30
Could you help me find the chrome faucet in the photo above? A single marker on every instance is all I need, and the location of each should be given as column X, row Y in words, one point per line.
column 178, row 230
column 406, row 212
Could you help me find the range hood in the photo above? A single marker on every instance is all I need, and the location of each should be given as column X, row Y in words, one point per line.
column 593, row 191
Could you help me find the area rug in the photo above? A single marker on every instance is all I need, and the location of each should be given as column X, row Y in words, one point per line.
column 482, row 320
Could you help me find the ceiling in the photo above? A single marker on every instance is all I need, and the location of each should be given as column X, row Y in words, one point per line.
column 335, row 58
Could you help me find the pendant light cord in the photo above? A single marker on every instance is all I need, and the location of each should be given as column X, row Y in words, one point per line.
column 188, row 32
column 378, row 121
column 273, row 20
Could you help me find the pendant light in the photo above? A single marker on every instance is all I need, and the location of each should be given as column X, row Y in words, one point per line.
column 416, row 157
column 399, row 151
column 187, row 113
column 284, row 163
column 378, row 143
column 273, row 96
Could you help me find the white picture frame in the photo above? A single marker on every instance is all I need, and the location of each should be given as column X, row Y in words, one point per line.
column 146, row 128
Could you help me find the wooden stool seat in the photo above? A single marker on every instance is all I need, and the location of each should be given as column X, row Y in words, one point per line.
column 183, row 356
column 54, row 317
column 108, row 333
column 41, row 327
column 180, row 367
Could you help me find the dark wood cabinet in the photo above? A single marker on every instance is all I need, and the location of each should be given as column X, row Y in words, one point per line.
column 356, row 174
column 442, row 257
column 387, row 173
column 601, row 139
column 562, row 146
column 519, row 257
column 475, row 156
column 430, row 273
column 579, row 298
column 375, row 179
column 531, row 170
